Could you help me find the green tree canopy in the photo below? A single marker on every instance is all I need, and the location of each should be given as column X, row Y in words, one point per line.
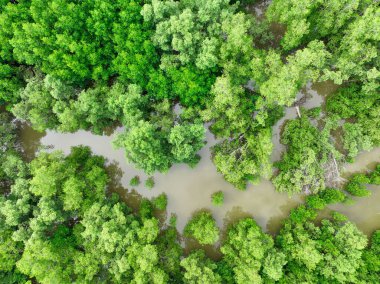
column 203, row 228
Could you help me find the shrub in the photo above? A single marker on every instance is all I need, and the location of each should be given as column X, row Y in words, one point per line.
column 357, row 189
column 135, row 181
column 360, row 178
column 302, row 214
column 339, row 217
column 315, row 202
column 160, row 202
column 203, row 228
column 375, row 176
column 173, row 220
column 332, row 195
column 146, row 210
column 217, row 198
column 149, row 183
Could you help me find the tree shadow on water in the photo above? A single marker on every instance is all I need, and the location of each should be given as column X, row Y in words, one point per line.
column 30, row 141
column 275, row 223
column 190, row 244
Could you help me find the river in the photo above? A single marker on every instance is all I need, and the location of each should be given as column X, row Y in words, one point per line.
column 189, row 190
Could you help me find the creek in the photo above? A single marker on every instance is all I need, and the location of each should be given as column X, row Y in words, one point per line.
column 189, row 190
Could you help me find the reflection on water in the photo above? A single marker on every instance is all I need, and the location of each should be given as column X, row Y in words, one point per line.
column 29, row 140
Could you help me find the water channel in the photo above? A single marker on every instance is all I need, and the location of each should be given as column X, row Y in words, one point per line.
column 189, row 190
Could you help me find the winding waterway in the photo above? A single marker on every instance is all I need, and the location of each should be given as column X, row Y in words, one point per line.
column 189, row 190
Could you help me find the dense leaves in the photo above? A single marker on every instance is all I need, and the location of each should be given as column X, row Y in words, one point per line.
column 59, row 226
column 310, row 150
column 199, row 269
column 243, row 154
column 161, row 69
column 203, row 228
column 279, row 83
column 59, row 36
column 245, row 249
column 359, row 109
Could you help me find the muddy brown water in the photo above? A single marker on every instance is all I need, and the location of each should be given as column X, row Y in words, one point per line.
column 189, row 190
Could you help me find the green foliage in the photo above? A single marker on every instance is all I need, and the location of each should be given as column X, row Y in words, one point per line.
column 348, row 102
column 79, row 179
column 356, row 185
column 322, row 199
column 37, row 104
column 171, row 252
column 155, row 137
column 236, row 50
column 203, row 228
column 107, row 63
column 10, row 82
column 302, row 214
column 173, row 220
column 57, row 225
column 339, row 217
column 11, row 74
column 49, row 103
column 349, row 29
column 279, row 83
column 149, row 183
column 370, row 270
column 191, row 28
column 330, row 252
column 243, row 154
column 9, row 255
column 146, row 209
column 190, row 85
column 244, row 251
column 244, row 159
column 375, row 176
column 135, row 181
column 332, row 195
column 230, row 108
column 198, row 39
column 160, row 202
column 199, row 269
column 61, row 216
column 105, row 228
column 315, row 202
column 59, row 36
column 273, row 265
column 359, row 109
column 217, row 198
column 11, row 165
column 185, row 141
column 307, row 20
column 355, row 140
column 144, row 148
column 39, row 212
column 95, row 64
column 147, row 149
column 309, row 149
column 360, row 38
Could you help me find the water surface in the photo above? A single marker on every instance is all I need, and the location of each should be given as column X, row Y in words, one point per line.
column 189, row 190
